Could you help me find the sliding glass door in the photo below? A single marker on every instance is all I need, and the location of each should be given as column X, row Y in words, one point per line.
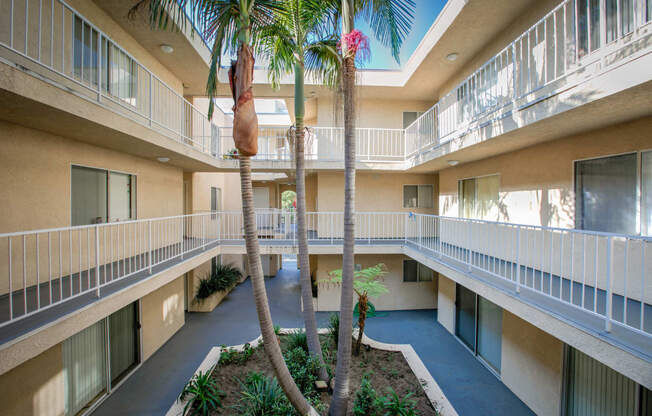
column 479, row 325
column 113, row 341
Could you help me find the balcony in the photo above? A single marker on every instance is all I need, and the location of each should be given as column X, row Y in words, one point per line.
column 597, row 282
column 55, row 44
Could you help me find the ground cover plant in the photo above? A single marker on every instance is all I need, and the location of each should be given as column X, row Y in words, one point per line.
column 382, row 382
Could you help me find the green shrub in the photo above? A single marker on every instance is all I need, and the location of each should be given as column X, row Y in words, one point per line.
column 297, row 339
column 202, row 394
column 224, row 277
column 277, row 329
column 233, row 356
column 304, row 369
column 366, row 399
column 394, row 405
column 334, row 327
column 204, row 289
column 262, row 396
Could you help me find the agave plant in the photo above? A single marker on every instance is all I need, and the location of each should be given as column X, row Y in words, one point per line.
column 202, row 395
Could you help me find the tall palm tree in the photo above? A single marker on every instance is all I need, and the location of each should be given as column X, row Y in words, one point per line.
column 301, row 39
column 231, row 23
column 390, row 20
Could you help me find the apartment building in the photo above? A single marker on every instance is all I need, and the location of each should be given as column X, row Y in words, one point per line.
column 504, row 178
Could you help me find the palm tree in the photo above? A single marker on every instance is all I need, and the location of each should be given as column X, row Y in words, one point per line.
column 300, row 40
column 231, row 23
column 390, row 20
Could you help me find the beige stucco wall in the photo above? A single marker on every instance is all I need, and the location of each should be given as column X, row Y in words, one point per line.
column 376, row 113
column 229, row 183
column 162, row 315
column 36, row 387
column 401, row 295
column 537, row 183
column 446, row 303
column 35, row 191
column 379, row 192
column 532, row 363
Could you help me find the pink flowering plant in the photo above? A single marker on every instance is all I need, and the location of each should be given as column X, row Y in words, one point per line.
column 357, row 45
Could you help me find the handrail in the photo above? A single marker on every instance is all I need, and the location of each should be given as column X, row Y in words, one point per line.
column 42, row 268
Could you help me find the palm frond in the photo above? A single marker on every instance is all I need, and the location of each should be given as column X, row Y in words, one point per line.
column 390, row 20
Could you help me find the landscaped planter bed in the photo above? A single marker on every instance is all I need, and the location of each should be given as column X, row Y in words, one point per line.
column 383, row 368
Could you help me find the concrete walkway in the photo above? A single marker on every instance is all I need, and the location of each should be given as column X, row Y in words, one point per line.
column 469, row 386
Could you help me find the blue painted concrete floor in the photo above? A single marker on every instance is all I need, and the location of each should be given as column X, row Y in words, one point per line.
column 152, row 389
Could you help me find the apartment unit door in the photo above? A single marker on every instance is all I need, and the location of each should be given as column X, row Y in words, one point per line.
column 261, row 197
column 479, row 325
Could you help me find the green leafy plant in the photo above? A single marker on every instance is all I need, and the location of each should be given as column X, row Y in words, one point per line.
column 297, row 339
column 277, row 330
column 262, row 396
column 366, row 398
column 204, row 289
column 334, row 327
column 304, row 369
column 395, row 405
column 231, row 154
column 202, row 395
column 224, row 277
column 233, row 356
column 366, row 284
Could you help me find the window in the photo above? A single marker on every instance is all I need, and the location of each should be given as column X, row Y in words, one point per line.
column 414, row 271
column 418, row 196
column 603, row 187
column 216, row 201
column 120, row 73
column 98, row 196
column 410, row 117
column 646, row 192
column 479, row 197
column 626, row 8
column 84, row 49
column 215, row 261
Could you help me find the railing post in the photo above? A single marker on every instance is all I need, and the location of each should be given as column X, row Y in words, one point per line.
column 151, row 97
column 203, row 231
column 610, row 252
column 149, row 253
column 518, row 261
column 405, row 228
column 419, row 228
column 181, row 228
column 468, row 250
column 97, row 260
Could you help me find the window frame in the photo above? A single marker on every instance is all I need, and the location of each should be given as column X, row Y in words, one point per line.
column 432, row 201
column 418, row 269
column 133, row 191
column 460, row 205
column 639, row 185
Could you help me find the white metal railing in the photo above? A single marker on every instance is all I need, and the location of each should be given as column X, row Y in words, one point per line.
column 55, row 41
column 571, row 38
column 607, row 275
column 603, row 274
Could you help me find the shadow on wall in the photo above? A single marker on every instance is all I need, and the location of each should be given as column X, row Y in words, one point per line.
column 170, row 310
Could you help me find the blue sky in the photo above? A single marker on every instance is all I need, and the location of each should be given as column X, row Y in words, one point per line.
column 426, row 12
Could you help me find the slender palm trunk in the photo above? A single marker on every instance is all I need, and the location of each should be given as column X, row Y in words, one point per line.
column 310, row 322
column 245, row 129
column 272, row 347
column 341, row 391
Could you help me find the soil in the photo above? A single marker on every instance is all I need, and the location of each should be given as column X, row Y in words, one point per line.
column 388, row 369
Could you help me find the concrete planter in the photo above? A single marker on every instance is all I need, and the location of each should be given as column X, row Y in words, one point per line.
column 208, row 304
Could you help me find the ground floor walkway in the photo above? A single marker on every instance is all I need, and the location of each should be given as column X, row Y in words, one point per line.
column 151, row 390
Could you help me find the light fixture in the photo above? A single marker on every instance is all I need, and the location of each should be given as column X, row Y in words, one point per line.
column 163, row 159
column 167, row 48
column 453, row 162
column 452, row 56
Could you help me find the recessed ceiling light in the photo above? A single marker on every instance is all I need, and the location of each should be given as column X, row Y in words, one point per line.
column 167, row 48
column 453, row 162
column 452, row 56
column 163, row 159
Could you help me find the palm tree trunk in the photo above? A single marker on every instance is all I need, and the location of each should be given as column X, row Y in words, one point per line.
column 272, row 347
column 314, row 346
column 340, row 400
column 245, row 132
